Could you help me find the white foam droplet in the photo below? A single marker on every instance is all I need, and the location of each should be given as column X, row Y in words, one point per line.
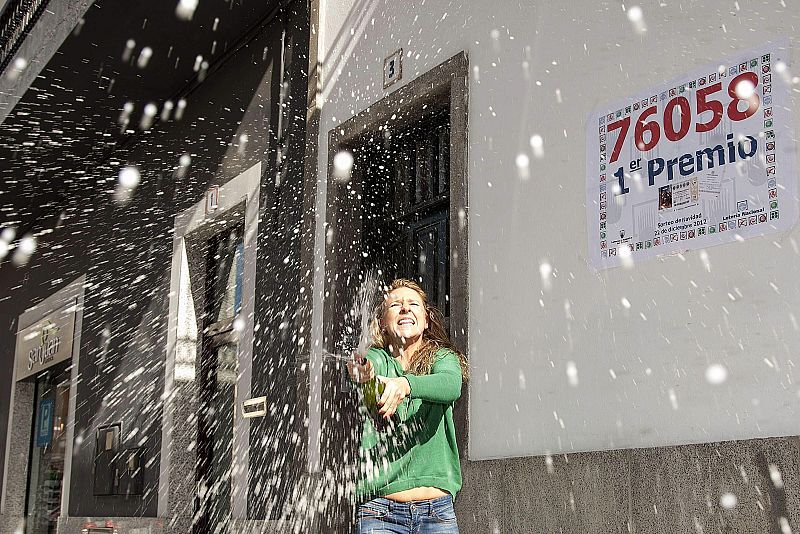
column 673, row 399
column 716, row 374
column 545, row 270
column 144, row 57
column 728, row 500
column 572, row 373
column 537, row 145
column 635, row 14
column 8, row 234
column 129, row 177
column 523, row 161
column 744, row 89
column 342, row 164
column 185, row 9
column 27, row 245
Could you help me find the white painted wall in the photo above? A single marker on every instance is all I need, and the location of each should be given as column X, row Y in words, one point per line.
column 521, row 335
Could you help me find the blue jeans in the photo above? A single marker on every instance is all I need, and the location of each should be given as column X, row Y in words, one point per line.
column 382, row 516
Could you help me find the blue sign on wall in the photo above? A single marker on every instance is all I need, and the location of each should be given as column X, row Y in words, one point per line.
column 44, row 425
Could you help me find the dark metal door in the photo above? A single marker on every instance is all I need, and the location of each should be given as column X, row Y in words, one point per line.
column 217, row 379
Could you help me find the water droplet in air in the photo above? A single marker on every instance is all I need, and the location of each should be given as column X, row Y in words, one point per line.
column 144, row 57
column 8, row 234
column 728, row 501
column 148, row 115
column 548, row 461
column 25, row 249
column 635, row 14
column 716, row 374
column 129, row 177
column 522, row 162
column 545, row 270
column 537, row 145
column 130, row 44
column 673, row 399
column 180, row 109
column 626, row 255
column 185, row 9
column 572, row 373
column 775, row 476
column 19, row 65
column 342, row 165
column 744, row 89
column 166, row 110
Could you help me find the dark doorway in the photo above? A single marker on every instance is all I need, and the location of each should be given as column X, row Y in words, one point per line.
column 406, row 203
column 217, row 380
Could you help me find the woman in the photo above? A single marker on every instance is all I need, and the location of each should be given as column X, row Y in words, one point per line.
column 410, row 467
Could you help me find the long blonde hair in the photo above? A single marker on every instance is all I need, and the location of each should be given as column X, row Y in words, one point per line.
column 433, row 338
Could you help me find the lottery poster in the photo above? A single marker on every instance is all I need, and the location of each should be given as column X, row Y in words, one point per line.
column 704, row 160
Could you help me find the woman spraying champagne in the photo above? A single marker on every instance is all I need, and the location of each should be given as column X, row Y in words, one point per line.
column 410, row 472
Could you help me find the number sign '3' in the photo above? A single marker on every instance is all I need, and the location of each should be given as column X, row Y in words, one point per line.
column 393, row 69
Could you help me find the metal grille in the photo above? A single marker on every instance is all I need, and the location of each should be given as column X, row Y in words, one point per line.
column 15, row 24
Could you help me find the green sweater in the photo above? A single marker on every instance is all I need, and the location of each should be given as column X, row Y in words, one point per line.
column 420, row 449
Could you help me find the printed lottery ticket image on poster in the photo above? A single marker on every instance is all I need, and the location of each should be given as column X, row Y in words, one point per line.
column 706, row 159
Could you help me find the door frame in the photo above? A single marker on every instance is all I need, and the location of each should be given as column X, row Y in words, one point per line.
column 175, row 498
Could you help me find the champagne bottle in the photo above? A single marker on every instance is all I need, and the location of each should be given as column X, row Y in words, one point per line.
column 372, row 390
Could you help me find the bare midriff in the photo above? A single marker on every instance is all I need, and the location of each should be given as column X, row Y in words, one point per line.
column 416, row 494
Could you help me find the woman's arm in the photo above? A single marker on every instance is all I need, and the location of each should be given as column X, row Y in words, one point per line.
column 360, row 371
column 442, row 385
column 363, row 367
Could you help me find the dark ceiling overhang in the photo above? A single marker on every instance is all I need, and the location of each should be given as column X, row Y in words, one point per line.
column 68, row 122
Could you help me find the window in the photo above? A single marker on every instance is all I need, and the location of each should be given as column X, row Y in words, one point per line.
column 406, row 204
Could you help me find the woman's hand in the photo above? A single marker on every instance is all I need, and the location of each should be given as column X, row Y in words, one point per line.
column 395, row 390
column 360, row 369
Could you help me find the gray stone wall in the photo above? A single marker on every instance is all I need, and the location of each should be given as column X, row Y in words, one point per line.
column 122, row 525
column 665, row 490
column 13, row 514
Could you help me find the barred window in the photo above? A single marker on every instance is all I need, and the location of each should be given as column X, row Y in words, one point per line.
column 406, row 204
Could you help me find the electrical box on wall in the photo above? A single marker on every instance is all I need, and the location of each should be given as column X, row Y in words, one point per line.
column 105, row 458
column 130, row 472
column 117, row 471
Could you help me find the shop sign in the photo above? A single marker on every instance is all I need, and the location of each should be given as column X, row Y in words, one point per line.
column 45, row 343
column 44, row 426
column 703, row 160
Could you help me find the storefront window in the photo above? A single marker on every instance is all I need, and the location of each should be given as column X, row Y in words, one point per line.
column 48, row 446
